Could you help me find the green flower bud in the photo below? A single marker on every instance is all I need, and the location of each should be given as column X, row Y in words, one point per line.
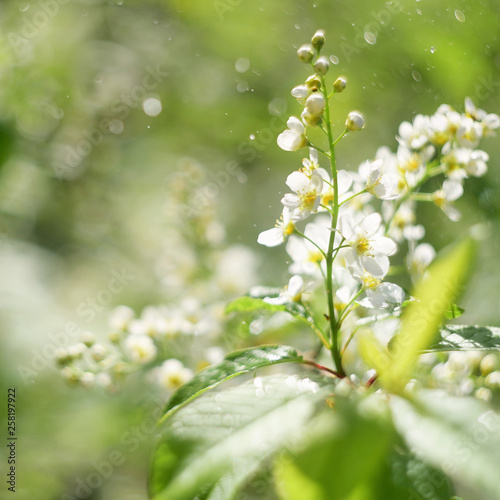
column 318, row 39
column 321, row 66
column 305, row 53
column 355, row 121
column 339, row 84
column 313, row 83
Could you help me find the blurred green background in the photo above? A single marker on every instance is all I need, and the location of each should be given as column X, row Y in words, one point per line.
column 86, row 158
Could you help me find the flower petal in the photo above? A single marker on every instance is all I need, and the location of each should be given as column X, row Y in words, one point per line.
column 272, row 237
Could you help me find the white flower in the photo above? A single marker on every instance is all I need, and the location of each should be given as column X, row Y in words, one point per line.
column 306, row 195
column 277, row 235
column 293, row 138
column 413, row 163
column 140, row 348
column 379, row 183
column 306, row 256
column 344, row 183
column 368, row 247
column 235, row 270
column 291, row 293
column 489, row 121
column 311, row 163
column 414, row 135
column 346, row 287
column 121, row 317
column 379, row 294
column 172, row 374
column 403, row 219
column 462, row 162
column 420, row 259
column 451, row 191
column 87, row 379
column 103, row 379
column 469, row 132
column 98, row 352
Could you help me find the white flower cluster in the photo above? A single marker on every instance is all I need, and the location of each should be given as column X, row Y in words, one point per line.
column 464, row 373
column 190, row 329
column 352, row 236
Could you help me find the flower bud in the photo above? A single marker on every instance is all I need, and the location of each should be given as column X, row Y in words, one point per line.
column 318, row 39
column 321, row 66
column 313, row 83
column 310, row 120
column 305, row 53
column 315, row 104
column 355, row 121
column 339, row 84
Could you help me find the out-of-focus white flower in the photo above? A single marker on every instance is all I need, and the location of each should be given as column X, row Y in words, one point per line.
column 121, row 317
column 291, row 293
column 214, row 354
column 484, row 394
column 293, row 138
column 306, row 195
column 413, row 163
column 172, row 374
column 381, row 184
column 420, row 259
column 140, row 348
column 306, row 256
column 368, row 246
column 493, row 380
column 284, row 227
column 87, row 379
column 451, row 191
column 414, row 135
column 469, row 132
column 345, row 287
column 463, row 162
column 235, row 271
column 489, row 121
column 103, row 379
column 98, row 352
column 402, row 222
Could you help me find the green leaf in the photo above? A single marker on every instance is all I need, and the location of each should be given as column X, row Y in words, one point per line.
column 423, row 317
column 345, row 459
column 468, row 338
column 214, row 444
column 235, row 363
column 250, row 304
column 460, row 436
column 454, row 312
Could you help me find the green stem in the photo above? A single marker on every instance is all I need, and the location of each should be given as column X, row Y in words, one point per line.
column 353, row 196
column 334, row 330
